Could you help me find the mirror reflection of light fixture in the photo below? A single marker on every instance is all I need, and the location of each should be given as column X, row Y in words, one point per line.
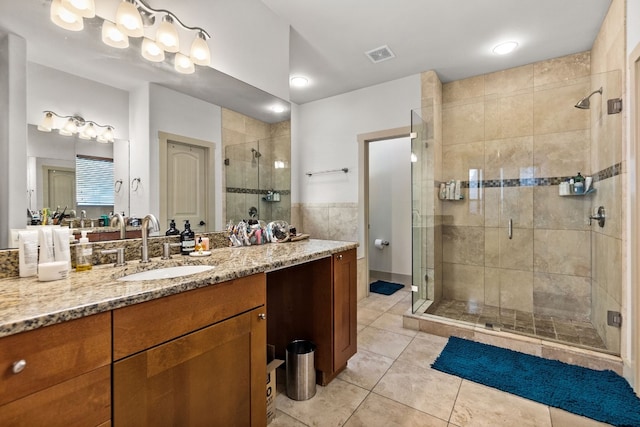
column 183, row 64
column 133, row 18
column 86, row 129
column 151, row 51
column 84, row 8
column 64, row 18
column 112, row 36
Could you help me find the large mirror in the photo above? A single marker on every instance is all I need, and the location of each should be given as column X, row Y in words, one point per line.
column 81, row 55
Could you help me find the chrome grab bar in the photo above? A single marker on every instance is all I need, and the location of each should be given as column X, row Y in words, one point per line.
column 510, row 229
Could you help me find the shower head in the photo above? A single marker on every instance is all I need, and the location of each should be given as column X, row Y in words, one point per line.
column 256, row 153
column 584, row 103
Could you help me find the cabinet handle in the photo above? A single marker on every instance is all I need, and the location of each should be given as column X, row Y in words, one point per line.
column 19, row 366
column 262, row 316
column 340, row 256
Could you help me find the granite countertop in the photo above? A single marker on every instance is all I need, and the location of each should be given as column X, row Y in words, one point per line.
column 26, row 303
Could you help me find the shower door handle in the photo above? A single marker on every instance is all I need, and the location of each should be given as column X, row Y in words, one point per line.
column 510, row 228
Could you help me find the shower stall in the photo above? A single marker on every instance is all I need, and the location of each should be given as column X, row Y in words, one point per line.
column 509, row 253
column 258, row 177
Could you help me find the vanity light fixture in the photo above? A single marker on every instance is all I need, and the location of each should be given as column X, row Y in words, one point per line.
column 134, row 18
column 505, row 48
column 86, row 129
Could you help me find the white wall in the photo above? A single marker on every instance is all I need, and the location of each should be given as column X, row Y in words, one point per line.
column 390, row 205
column 328, row 131
column 326, row 139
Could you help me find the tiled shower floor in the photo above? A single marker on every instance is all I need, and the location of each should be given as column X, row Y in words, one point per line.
column 568, row 331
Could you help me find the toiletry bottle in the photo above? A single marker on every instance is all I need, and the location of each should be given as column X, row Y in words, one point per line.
column 84, row 253
column 187, row 239
column 578, row 184
column 172, row 231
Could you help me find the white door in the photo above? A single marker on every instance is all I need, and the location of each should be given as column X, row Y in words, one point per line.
column 59, row 188
column 186, row 185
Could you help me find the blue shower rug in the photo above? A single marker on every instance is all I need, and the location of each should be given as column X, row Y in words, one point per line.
column 601, row 395
column 384, row 288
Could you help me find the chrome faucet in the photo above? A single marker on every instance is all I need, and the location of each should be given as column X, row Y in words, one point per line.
column 117, row 218
column 148, row 222
column 83, row 216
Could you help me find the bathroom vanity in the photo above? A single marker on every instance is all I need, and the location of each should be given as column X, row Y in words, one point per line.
column 92, row 350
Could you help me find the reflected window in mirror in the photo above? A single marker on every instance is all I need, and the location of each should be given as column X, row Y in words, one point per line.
column 94, row 181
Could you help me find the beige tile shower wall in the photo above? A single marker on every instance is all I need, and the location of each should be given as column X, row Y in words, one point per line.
column 518, row 124
column 607, row 148
column 239, row 129
column 331, row 221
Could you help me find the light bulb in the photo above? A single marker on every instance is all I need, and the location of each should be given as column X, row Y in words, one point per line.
column 505, row 48
column 299, row 81
column 107, row 135
column 47, row 122
column 183, row 64
column 167, row 35
column 64, row 18
column 84, row 8
column 88, row 132
column 69, row 128
column 112, row 36
column 128, row 20
column 200, row 53
column 151, row 51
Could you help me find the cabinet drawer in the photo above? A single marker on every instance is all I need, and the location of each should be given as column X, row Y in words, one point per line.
column 53, row 354
column 81, row 401
column 141, row 326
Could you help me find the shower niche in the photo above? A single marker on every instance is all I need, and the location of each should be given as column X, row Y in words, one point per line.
column 258, row 181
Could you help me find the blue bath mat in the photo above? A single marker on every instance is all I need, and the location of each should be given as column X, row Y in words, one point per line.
column 384, row 288
column 601, row 395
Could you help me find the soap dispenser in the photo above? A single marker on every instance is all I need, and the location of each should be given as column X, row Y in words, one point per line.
column 172, row 231
column 187, row 239
column 84, row 253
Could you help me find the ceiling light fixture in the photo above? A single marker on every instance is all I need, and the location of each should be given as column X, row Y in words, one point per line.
column 278, row 108
column 299, row 81
column 505, row 48
column 133, row 18
column 86, row 129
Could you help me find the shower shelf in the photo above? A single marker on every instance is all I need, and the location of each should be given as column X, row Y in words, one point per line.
column 453, row 200
column 590, row 191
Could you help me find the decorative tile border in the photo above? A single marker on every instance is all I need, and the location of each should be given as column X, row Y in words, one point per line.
column 609, row 172
column 238, row 190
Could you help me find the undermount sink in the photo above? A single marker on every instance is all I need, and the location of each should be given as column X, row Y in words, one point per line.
column 166, row 273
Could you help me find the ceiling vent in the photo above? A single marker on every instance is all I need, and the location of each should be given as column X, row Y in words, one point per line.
column 380, row 54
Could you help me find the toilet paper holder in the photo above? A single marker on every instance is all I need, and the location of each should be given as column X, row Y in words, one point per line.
column 379, row 243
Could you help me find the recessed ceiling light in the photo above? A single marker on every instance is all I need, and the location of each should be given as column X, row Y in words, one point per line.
column 299, row 81
column 277, row 109
column 504, row 48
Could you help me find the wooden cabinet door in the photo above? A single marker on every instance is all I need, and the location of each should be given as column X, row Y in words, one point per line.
column 344, row 307
column 212, row 377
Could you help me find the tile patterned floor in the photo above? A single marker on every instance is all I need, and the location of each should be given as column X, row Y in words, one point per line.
column 546, row 327
column 389, row 382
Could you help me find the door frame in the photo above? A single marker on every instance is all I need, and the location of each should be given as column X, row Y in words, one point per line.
column 363, row 191
column 633, row 221
column 165, row 139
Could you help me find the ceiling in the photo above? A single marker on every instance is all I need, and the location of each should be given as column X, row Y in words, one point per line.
column 453, row 37
column 328, row 39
